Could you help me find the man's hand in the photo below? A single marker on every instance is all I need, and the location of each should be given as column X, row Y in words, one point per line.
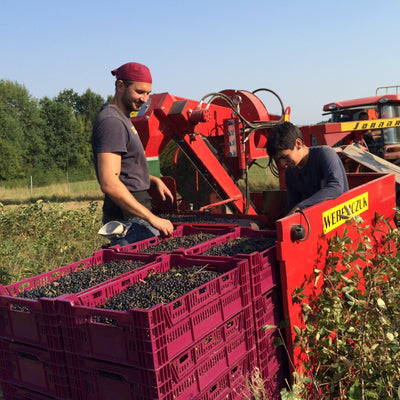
column 161, row 188
column 163, row 225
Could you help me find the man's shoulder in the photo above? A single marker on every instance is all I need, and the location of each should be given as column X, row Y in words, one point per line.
column 110, row 116
column 323, row 150
column 109, row 111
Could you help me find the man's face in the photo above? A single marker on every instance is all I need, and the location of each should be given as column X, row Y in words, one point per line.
column 135, row 95
column 291, row 158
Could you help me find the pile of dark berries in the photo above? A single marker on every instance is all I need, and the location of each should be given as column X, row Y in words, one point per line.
column 210, row 219
column 83, row 279
column 161, row 288
column 179, row 242
column 242, row 245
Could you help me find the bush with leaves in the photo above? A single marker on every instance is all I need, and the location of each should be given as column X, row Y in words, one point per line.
column 350, row 343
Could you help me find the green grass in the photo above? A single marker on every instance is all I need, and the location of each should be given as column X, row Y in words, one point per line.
column 59, row 192
column 261, row 178
column 40, row 237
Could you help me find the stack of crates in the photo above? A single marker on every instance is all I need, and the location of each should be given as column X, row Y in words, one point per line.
column 202, row 345
column 32, row 353
column 268, row 311
column 169, row 351
column 266, row 296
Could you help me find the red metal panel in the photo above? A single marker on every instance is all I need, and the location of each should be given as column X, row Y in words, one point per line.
column 298, row 259
column 363, row 101
column 149, row 127
column 328, row 134
column 169, row 115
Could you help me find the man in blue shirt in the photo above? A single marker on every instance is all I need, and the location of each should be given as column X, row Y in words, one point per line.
column 312, row 174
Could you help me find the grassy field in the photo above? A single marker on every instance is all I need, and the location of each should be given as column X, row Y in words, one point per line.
column 261, row 178
column 61, row 192
column 74, row 193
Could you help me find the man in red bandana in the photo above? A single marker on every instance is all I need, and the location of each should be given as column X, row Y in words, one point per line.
column 121, row 165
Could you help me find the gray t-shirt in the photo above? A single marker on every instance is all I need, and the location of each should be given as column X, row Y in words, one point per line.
column 113, row 132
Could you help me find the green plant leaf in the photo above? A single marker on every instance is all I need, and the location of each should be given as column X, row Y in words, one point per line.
column 354, row 392
column 297, row 330
column 283, row 324
column 381, row 303
column 277, row 341
column 267, row 327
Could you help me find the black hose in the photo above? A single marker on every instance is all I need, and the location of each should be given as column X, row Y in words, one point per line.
column 308, row 225
column 280, row 101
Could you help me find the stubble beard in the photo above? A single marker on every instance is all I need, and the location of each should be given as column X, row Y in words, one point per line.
column 129, row 104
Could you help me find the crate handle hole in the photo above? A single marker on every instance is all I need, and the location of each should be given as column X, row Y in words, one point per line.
column 177, row 304
column 183, row 358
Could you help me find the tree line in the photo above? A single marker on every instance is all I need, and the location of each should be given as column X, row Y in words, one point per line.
column 46, row 138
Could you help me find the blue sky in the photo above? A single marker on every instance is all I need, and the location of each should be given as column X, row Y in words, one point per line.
column 310, row 52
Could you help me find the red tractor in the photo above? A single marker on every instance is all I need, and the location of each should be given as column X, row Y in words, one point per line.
column 383, row 142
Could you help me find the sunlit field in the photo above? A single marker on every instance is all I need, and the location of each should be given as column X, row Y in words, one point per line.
column 59, row 192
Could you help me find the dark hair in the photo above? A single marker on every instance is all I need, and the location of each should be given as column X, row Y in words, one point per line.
column 126, row 82
column 281, row 137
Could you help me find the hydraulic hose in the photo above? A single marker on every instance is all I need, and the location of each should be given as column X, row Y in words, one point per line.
column 254, row 126
column 279, row 99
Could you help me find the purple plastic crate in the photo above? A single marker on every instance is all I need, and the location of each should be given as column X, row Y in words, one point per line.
column 149, row 337
column 264, row 267
column 270, row 357
column 95, row 380
column 37, row 322
column 35, row 369
column 33, row 322
column 264, row 270
column 180, row 231
column 230, row 339
column 16, row 392
column 276, row 381
column 214, row 387
column 268, row 310
column 92, row 379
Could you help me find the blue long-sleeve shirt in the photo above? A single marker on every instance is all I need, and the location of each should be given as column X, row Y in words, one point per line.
column 322, row 178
